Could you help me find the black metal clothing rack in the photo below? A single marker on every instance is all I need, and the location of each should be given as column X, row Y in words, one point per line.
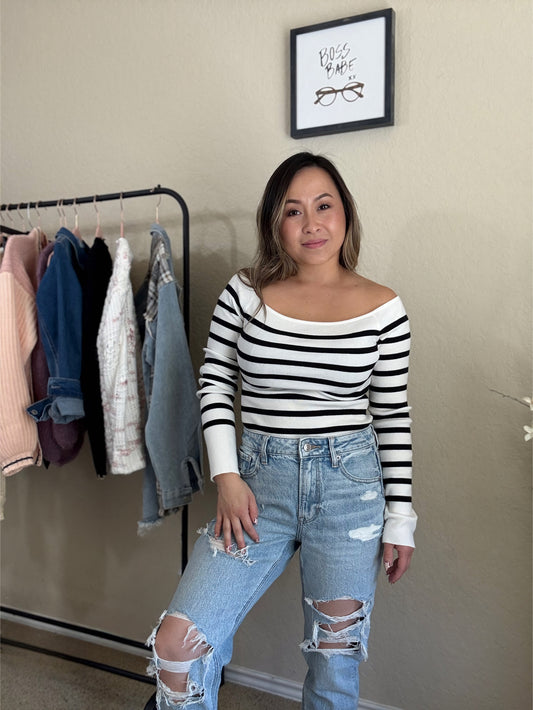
column 114, row 196
column 158, row 190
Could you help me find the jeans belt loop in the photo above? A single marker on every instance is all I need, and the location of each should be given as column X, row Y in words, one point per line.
column 333, row 453
column 264, row 444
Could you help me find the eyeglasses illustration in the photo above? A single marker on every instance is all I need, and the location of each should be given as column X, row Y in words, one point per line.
column 351, row 92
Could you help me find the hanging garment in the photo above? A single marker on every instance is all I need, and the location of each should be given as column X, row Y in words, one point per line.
column 59, row 307
column 19, row 444
column 117, row 345
column 173, row 431
column 98, row 269
column 60, row 443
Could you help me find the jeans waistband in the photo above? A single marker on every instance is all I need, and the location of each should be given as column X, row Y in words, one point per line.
column 308, row 445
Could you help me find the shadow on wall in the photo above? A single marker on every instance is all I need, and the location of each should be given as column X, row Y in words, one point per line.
column 465, row 287
column 81, row 548
column 83, row 533
column 217, row 252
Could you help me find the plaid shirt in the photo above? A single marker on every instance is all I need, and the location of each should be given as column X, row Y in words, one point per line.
column 160, row 274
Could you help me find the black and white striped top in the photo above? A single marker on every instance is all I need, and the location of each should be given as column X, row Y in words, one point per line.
column 303, row 378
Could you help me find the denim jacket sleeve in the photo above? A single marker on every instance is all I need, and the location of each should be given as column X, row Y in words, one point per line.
column 59, row 307
column 173, row 432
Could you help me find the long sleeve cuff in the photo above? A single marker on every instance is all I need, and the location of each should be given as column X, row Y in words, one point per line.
column 399, row 528
column 221, row 449
column 63, row 404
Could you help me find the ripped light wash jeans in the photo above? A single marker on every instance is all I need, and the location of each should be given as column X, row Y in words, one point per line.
column 323, row 496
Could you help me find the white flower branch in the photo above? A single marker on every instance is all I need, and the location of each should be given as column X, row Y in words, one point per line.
column 526, row 402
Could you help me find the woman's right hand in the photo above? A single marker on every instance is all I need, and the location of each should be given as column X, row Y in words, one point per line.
column 236, row 510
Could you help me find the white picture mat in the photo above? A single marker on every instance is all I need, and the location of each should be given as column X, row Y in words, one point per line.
column 361, row 45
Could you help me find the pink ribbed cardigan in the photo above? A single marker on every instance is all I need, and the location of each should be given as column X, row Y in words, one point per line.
column 19, row 443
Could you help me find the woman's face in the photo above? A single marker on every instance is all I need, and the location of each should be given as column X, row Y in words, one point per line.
column 313, row 225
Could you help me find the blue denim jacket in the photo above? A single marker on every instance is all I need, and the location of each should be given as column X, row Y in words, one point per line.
column 59, row 309
column 173, row 428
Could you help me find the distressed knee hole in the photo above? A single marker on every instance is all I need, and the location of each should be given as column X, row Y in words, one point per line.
column 336, row 609
column 338, row 626
column 177, row 645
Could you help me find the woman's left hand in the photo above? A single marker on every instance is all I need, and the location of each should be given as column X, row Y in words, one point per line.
column 395, row 568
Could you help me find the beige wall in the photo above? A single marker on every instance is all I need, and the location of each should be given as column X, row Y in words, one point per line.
column 193, row 94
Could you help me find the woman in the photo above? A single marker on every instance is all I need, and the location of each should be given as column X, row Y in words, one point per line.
column 323, row 355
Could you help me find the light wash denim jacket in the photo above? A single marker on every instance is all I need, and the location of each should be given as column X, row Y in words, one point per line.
column 173, row 430
column 59, row 307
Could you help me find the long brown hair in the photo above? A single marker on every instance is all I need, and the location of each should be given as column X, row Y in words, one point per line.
column 271, row 262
